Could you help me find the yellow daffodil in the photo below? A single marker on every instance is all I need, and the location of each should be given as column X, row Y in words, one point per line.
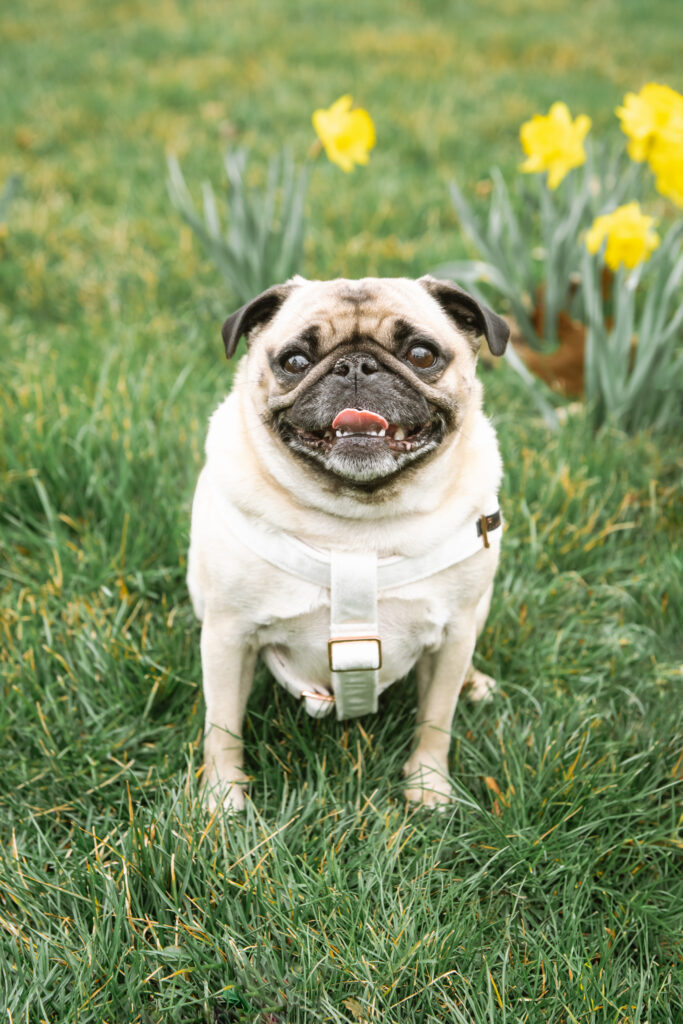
column 630, row 234
column 666, row 161
column 554, row 143
column 347, row 135
column 650, row 117
column 653, row 121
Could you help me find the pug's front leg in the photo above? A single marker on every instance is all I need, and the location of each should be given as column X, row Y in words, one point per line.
column 440, row 678
column 228, row 664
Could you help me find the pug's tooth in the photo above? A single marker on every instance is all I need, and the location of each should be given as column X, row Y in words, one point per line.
column 399, row 434
column 381, row 433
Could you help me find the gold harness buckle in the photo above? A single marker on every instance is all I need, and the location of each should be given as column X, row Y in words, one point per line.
column 354, row 640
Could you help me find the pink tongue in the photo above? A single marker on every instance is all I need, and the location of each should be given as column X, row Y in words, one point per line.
column 358, row 420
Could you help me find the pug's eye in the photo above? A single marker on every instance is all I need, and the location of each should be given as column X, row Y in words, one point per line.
column 295, row 362
column 421, row 356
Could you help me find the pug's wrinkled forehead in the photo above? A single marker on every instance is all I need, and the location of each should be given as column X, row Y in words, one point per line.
column 329, row 313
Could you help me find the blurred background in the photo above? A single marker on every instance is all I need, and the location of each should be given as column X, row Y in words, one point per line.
column 96, row 94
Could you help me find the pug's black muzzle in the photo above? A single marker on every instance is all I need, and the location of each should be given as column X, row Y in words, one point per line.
column 361, row 380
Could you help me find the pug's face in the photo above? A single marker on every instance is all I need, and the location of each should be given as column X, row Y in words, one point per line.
column 362, row 379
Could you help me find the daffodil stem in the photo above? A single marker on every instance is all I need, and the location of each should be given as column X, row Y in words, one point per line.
column 534, row 385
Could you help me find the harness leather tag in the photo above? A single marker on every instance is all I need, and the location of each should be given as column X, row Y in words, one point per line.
column 354, row 648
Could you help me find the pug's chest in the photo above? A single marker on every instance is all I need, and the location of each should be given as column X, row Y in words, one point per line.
column 296, row 645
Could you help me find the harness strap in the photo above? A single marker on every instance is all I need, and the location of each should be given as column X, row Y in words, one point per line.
column 355, row 650
column 313, row 565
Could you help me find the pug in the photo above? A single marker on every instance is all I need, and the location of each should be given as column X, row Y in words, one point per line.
column 345, row 526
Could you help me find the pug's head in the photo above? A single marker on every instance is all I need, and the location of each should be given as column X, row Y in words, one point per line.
column 363, row 379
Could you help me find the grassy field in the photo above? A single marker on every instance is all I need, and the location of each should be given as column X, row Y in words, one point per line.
column 552, row 891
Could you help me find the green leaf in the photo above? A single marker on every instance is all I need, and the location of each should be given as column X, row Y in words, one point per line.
column 264, row 239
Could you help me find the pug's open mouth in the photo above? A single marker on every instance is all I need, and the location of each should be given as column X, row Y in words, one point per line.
column 363, row 446
column 353, row 426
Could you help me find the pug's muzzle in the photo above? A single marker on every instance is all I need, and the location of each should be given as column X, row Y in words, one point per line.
column 357, row 416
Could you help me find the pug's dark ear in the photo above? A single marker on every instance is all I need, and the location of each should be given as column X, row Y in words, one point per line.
column 472, row 317
column 258, row 311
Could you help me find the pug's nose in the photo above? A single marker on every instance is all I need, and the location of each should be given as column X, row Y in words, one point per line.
column 357, row 364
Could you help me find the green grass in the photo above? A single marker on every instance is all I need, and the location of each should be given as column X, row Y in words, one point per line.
column 551, row 892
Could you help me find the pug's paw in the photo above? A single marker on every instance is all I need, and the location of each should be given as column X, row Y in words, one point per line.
column 224, row 795
column 429, row 784
column 479, row 686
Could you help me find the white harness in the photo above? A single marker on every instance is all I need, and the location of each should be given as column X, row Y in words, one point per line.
column 354, row 579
